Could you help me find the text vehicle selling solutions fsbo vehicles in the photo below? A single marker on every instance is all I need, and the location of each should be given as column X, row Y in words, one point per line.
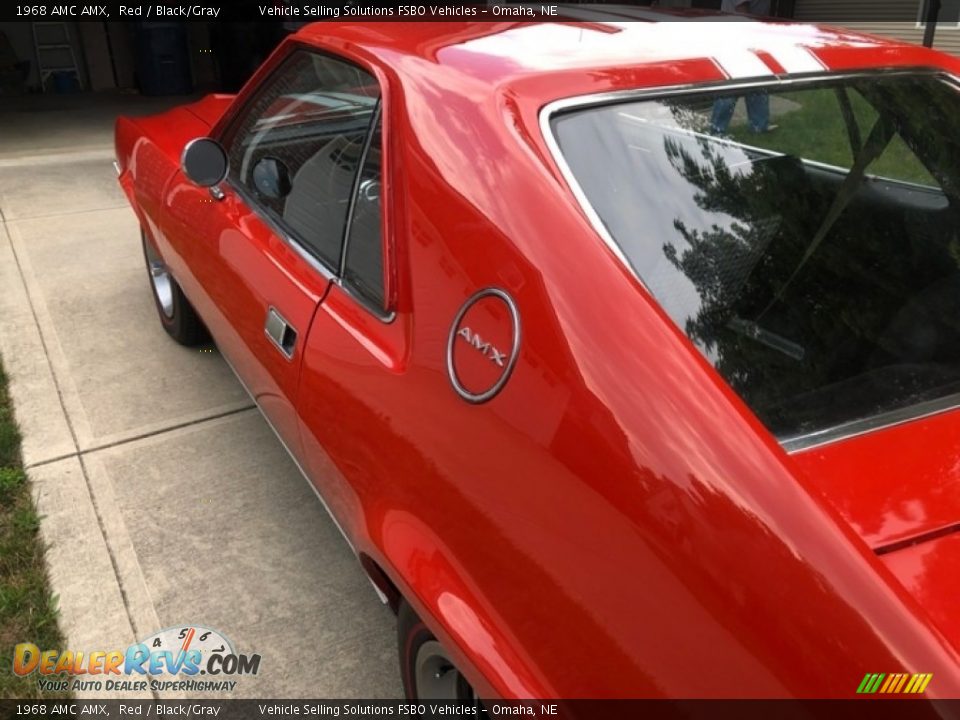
column 626, row 355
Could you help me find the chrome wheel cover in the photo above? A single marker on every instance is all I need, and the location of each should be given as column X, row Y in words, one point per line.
column 436, row 676
column 160, row 279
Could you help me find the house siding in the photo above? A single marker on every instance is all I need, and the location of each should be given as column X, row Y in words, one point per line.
column 947, row 38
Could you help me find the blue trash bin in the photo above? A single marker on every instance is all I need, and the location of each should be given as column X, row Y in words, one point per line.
column 163, row 58
column 65, row 81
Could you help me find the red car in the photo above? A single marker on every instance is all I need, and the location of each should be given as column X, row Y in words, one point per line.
column 617, row 386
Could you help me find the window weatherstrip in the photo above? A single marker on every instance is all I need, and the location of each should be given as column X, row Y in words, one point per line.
column 348, row 225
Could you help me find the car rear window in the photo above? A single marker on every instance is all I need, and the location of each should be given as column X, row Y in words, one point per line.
column 805, row 237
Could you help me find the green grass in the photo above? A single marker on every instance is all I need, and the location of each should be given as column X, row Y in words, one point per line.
column 811, row 126
column 28, row 612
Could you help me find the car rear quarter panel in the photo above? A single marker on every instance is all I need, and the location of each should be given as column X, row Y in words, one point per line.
column 616, row 522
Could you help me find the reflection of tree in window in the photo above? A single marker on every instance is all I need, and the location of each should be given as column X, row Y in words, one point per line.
column 823, row 294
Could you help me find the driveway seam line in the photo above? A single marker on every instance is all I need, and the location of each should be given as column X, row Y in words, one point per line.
column 50, row 461
column 62, row 214
column 142, row 436
column 76, row 444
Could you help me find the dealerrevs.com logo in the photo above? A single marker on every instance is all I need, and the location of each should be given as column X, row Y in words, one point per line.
column 186, row 658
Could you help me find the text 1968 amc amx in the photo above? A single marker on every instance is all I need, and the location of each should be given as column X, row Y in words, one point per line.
column 625, row 354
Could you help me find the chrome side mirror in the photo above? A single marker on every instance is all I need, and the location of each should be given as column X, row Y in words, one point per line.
column 204, row 162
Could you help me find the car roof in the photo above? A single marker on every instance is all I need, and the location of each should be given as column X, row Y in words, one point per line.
column 590, row 38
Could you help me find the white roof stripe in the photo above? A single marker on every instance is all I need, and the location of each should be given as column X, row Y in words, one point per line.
column 796, row 59
column 741, row 64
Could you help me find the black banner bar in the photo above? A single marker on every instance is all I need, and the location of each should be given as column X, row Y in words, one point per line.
column 303, row 11
column 867, row 709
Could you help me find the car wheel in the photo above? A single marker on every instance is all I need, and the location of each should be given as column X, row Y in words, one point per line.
column 177, row 315
column 428, row 672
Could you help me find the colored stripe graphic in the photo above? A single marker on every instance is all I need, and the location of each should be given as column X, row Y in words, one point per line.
column 894, row 684
column 870, row 683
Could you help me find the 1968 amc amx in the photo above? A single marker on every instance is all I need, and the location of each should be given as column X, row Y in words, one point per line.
column 625, row 354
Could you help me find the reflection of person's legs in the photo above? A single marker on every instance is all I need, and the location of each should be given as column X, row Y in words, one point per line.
column 722, row 114
column 758, row 111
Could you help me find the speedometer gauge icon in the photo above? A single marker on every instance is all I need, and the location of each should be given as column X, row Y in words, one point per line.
column 184, row 638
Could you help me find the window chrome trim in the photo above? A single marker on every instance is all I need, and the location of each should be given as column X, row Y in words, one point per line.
column 355, row 188
column 380, row 312
column 855, row 428
column 296, row 245
column 791, row 444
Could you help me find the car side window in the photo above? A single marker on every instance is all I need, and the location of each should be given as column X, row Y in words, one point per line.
column 363, row 265
column 296, row 149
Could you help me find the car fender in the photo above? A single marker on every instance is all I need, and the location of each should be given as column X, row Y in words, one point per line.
column 428, row 577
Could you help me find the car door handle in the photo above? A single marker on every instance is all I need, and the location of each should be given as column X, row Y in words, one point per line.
column 281, row 333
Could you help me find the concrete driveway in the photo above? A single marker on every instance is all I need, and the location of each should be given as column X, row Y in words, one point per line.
column 167, row 500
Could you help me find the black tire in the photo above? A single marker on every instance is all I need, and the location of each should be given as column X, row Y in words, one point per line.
column 413, row 636
column 176, row 314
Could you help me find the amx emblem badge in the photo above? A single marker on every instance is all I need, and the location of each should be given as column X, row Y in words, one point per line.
column 483, row 345
column 484, row 348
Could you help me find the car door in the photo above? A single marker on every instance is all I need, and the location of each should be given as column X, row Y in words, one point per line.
column 273, row 232
column 358, row 347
